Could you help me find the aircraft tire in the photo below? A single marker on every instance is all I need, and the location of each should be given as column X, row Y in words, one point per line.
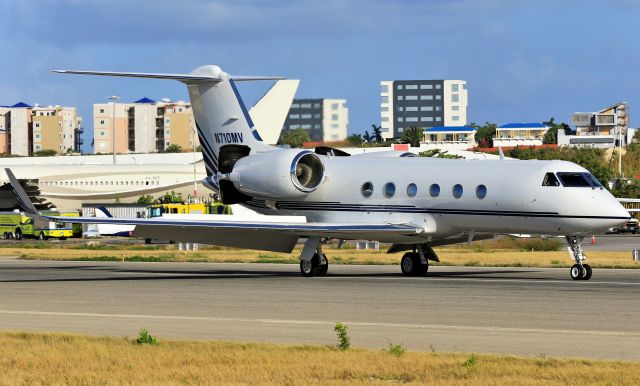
column 576, row 272
column 407, row 264
column 586, row 272
column 310, row 268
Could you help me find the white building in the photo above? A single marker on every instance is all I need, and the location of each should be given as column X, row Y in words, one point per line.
column 520, row 134
column 326, row 120
column 421, row 103
column 604, row 128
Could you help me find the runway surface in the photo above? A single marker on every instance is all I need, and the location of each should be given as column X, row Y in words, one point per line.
column 523, row 311
column 623, row 242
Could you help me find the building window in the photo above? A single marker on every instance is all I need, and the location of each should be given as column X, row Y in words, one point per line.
column 411, row 97
column 426, row 87
column 384, row 109
column 400, row 119
column 455, row 108
column 384, row 99
column 454, row 87
column 102, row 122
column 438, row 119
column 317, row 116
column 306, row 116
column 481, row 191
column 37, row 124
column 426, row 119
column 426, row 97
column 333, row 126
column 411, row 87
column 399, row 87
column 455, row 98
column 367, row 189
column 334, row 106
column 384, row 119
column 412, row 108
column 294, row 116
column 295, row 106
column 305, row 106
column 384, row 88
column 412, row 190
column 400, row 108
column 101, row 111
column 412, row 119
column 426, row 108
column 457, row 190
column 438, row 108
column 400, row 97
column 438, row 97
column 455, row 118
column 334, row 117
column 434, row 190
column 316, row 105
column 438, row 86
column 389, row 189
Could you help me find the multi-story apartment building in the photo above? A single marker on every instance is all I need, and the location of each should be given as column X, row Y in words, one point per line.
column 55, row 128
column 144, row 126
column 421, row 103
column 25, row 129
column 326, row 120
column 603, row 128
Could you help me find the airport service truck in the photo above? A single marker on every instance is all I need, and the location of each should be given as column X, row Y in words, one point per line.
column 16, row 225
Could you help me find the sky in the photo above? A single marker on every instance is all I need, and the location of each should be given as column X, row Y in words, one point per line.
column 524, row 61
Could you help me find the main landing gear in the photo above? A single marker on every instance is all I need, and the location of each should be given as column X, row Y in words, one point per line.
column 579, row 271
column 312, row 261
column 416, row 262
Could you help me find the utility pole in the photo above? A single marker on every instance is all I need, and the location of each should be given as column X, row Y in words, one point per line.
column 113, row 100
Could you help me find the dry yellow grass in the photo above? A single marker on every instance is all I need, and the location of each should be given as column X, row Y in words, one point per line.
column 448, row 256
column 28, row 358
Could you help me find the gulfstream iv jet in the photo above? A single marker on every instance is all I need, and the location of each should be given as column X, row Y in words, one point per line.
column 412, row 203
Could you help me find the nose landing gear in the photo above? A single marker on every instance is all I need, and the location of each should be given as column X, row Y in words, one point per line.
column 580, row 270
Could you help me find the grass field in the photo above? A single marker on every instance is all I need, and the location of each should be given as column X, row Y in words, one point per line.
column 496, row 253
column 28, row 358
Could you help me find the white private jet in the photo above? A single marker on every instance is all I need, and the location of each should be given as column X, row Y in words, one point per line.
column 414, row 203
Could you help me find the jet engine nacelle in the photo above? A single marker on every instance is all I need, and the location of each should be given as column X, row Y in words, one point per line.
column 277, row 174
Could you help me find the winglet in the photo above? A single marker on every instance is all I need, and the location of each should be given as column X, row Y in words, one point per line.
column 23, row 200
column 500, row 153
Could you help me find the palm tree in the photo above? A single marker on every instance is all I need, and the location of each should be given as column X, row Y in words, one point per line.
column 294, row 137
column 412, row 135
column 377, row 132
column 368, row 137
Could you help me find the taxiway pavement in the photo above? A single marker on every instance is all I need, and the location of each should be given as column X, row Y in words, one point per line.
column 522, row 311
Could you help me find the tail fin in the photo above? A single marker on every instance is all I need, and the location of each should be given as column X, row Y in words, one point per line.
column 22, row 197
column 220, row 114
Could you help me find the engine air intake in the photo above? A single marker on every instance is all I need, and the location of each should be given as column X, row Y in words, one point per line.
column 307, row 171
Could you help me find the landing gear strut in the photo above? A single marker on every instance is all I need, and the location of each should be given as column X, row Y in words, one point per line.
column 580, row 270
column 312, row 261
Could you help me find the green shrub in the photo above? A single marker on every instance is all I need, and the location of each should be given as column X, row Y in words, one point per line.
column 344, row 342
column 145, row 338
column 395, row 349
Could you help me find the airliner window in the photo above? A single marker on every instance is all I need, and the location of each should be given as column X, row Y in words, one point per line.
column 434, row 190
column 574, row 180
column 412, row 190
column 367, row 189
column 389, row 189
column 550, row 180
column 481, row 191
column 457, row 190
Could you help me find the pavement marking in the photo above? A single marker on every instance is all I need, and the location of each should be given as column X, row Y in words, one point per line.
column 439, row 278
column 327, row 323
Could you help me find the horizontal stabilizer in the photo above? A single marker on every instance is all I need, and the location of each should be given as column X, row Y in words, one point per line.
column 178, row 77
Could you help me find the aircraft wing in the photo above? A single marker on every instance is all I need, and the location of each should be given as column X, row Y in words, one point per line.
column 264, row 235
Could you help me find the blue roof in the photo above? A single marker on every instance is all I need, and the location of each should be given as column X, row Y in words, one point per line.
column 145, row 100
column 522, row 125
column 450, row 128
column 21, row 104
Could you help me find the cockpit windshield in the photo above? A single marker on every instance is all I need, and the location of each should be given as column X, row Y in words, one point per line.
column 578, row 180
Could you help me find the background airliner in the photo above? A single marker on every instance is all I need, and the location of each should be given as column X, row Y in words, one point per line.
column 413, row 203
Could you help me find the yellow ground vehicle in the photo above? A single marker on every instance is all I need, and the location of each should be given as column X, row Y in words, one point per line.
column 158, row 210
column 16, row 225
